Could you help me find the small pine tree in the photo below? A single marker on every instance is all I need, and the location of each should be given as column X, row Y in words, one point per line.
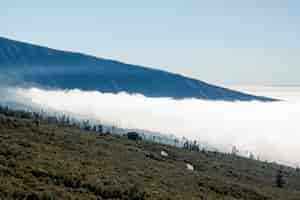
column 251, row 156
column 186, row 145
column 279, row 178
column 176, row 141
column 153, row 138
column 234, row 151
column 86, row 125
column 100, row 128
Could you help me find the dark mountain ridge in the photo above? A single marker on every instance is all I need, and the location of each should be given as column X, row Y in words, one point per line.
column 67, row 70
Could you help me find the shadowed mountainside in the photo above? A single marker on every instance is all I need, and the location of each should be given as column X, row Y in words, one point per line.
column 32, row 64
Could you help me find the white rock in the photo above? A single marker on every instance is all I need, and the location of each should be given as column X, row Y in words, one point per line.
column 163, row 153
column 189, row 167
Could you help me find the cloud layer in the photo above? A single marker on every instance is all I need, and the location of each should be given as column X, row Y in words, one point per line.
column 269, row 130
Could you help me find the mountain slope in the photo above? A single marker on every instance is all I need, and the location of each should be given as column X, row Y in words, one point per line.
column 51, row 161
column 66, row 70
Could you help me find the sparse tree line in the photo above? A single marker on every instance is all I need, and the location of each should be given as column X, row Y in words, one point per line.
column 191, row 145
column 58, row 119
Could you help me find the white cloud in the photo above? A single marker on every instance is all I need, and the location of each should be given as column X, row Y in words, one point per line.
column 270, row 130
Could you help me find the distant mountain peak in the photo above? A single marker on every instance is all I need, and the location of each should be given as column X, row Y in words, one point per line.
column 46, row 67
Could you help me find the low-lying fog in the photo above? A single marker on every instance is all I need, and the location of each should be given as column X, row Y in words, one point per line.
column 269, row 130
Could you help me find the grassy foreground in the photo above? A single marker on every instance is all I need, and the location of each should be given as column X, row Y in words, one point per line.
column 48, row 162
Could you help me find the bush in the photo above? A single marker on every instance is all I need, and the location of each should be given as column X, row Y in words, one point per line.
column 136, row 194
column 47, row 196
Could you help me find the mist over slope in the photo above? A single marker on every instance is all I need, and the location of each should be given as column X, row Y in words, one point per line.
column 23, row 63
column 270, row 130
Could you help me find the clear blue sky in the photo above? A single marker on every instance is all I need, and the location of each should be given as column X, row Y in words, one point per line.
column 220, row 41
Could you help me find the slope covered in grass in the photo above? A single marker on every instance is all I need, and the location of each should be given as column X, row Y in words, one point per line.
column 59, row 162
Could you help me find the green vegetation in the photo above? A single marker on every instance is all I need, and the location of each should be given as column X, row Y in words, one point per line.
column 48, row 161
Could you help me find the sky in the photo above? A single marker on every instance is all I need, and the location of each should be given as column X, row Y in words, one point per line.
column 229, row 42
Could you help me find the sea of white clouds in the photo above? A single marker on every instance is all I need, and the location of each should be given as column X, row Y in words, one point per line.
column 269, row 130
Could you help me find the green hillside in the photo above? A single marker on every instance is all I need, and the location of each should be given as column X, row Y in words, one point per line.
column 49, row 161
